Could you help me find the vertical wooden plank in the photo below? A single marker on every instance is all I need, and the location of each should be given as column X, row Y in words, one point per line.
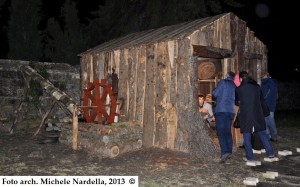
column 259, row 71
column 173, row 76
column 149, row 110
column 123, row 82
column 171, row 110
column 184, row 90
column 84, row 76
column 95, row 67
column 106, row 64
column 91, row 68
column 226, row 33
column 216, row 39
column 238, row 29
column 225, row 67
column 141, row 81
column 162, row 94
column 171, row 126
column 117, row 61
column 101, row 66
column 84, row 80
column 132, row 62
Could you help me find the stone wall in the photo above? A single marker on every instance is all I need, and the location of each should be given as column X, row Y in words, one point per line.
column 288, row 96
column 63, row 76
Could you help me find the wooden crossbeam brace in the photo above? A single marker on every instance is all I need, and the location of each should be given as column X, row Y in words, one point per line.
column 211, row 52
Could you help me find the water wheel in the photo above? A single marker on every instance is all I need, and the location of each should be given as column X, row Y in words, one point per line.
column 99, row 101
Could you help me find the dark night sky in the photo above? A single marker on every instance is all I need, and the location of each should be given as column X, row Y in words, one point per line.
column 271, row 21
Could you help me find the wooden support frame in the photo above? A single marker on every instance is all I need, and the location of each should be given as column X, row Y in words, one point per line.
column 211, row 52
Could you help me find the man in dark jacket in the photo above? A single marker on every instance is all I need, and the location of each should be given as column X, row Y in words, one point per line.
column 270, row 90
column 249, row 98
column 224, row 113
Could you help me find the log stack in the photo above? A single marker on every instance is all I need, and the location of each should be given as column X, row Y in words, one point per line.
column 105, row 140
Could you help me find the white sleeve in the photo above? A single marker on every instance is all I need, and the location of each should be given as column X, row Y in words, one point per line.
column 209, row 108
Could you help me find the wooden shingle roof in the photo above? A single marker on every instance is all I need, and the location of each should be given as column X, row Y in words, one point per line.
column 165, row 33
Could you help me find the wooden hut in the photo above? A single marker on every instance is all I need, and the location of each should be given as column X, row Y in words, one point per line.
column 162, row 70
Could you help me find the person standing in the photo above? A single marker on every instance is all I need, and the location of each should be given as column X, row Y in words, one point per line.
column 224, row 95
column 269, row 89
column 249, row 98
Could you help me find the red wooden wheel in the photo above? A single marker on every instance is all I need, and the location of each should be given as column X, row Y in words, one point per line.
column 99, row 101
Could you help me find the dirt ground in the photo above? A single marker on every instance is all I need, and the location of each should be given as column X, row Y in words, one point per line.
column 21, row 155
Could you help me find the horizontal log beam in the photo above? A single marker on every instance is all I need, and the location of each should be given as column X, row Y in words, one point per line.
column 211, row 52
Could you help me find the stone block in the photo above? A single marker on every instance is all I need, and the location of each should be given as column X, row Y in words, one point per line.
column 270, row 175
column 251, row 181
column 285, row 153
column 275, row 159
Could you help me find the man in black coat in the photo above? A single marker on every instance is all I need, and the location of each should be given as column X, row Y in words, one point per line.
column 249, row 98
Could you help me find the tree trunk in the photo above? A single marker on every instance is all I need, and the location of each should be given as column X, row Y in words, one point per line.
column 201, row 145
column 201, row 138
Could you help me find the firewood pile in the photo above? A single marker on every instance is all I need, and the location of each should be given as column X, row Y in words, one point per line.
column 105, row 140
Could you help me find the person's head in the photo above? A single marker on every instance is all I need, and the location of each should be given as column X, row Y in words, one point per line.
column 243, row 75
column 230, row 74
column 201, row 99
column 208, row 98
column 265, row 75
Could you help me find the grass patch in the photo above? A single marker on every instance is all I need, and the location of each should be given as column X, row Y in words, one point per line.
column 289, row 118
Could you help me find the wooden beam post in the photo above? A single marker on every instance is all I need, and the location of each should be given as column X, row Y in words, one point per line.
column 75, row 127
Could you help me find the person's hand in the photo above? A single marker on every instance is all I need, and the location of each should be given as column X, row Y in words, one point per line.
column 203, row 110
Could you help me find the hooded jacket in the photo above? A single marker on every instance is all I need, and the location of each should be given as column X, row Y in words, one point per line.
column 249, row 97
column 224, row 95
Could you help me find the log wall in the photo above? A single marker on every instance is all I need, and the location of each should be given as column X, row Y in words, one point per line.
column 146, row 78
column 155, row 78
column 231, row 33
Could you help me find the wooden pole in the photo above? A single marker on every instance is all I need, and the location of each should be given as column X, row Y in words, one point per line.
column 237, row 136
column 43, row 119
column 75, row 127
